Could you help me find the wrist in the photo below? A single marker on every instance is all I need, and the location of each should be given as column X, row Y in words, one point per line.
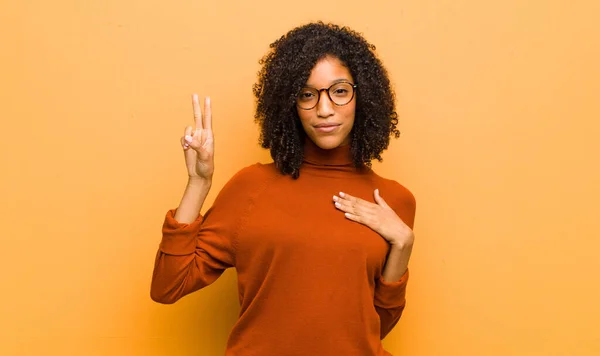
column 402, row 242
column 400, row 246
column 200, row 181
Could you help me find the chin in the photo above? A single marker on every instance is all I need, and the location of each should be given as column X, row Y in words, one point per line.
column 327, row 143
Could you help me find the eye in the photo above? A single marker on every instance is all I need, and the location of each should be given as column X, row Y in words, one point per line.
column 340, row 92
column 306, row 95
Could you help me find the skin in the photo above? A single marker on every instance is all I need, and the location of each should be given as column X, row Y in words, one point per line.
column 383, row 220
column 198, row 150
column 198, row 142
column 198, row 147
column 326, row 72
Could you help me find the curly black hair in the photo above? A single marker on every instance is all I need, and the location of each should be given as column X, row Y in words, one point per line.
column 285, row 70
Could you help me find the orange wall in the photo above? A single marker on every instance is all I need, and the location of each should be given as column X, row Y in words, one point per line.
column 500, row 122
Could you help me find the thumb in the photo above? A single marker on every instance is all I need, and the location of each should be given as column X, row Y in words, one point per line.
column 379, row 200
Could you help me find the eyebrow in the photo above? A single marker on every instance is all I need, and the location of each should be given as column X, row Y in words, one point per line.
column 330, row 84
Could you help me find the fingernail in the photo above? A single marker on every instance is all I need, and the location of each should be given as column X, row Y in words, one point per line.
column 335, row 198
column 188, row 138
column 342, row 194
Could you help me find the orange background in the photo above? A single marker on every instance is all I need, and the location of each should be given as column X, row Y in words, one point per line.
column 500, row 121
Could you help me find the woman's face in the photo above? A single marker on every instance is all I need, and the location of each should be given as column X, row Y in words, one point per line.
column 327, row 124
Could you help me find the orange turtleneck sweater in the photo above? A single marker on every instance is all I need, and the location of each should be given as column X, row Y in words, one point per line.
column 310, row 281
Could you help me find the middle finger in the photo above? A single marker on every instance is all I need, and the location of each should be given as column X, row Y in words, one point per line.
column 350, row 201
column 197, row 112
column 346, row 206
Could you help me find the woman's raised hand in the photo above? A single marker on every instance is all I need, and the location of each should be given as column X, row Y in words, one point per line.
column 198, row 143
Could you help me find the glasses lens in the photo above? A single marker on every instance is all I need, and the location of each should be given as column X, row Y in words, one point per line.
column 341, row 93
column 308, row 98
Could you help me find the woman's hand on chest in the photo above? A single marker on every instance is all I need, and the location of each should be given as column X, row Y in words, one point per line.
column 379, row 217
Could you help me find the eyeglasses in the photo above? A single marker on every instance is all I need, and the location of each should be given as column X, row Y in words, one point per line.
column 340, row 93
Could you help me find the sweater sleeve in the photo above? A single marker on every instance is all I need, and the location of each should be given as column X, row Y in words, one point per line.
column 390, row 297
column 192, row 256
column 389, row 302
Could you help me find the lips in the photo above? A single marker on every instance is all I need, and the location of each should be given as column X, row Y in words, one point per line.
column 325, row 128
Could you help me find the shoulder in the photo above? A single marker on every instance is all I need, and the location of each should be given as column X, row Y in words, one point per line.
column 397, row 196
column 254, row 173
column 250, row 178
column 394, row 190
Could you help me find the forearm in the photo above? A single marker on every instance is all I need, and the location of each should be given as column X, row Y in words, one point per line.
column 192, row 200
column 397, row 263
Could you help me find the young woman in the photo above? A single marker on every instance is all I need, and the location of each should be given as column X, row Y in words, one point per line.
column 321, row 257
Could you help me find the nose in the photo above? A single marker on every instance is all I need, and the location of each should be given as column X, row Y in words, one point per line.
column 324, row 106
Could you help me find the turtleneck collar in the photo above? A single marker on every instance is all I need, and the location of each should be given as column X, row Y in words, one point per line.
column 339, row 156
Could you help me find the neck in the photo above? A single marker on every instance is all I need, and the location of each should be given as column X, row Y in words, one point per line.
column 338, row 156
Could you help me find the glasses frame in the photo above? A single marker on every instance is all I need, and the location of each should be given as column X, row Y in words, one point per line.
column 354, row 85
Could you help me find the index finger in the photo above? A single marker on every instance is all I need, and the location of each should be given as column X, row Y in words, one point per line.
column 347, row 196
column 207, row 114
column 353, row 199
column 197, row 112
